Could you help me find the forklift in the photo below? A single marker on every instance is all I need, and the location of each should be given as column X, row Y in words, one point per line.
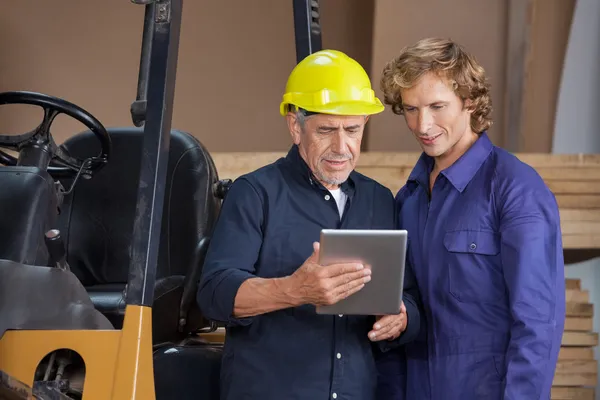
column 102, row 241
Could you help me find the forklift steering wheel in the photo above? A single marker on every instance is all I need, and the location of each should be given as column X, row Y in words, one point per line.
column 37, row 148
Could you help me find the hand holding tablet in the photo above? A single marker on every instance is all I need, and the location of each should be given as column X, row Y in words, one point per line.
column 327, row 285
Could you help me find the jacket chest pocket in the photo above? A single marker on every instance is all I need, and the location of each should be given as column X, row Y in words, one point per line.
column 473, row 265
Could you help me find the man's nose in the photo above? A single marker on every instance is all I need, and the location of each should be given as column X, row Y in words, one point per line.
column 424, row 122
column 339, row 144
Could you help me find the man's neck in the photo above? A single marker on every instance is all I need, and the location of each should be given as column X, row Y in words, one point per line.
column 455, row 152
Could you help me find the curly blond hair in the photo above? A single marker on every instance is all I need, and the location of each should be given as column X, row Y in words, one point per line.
column 448, row 60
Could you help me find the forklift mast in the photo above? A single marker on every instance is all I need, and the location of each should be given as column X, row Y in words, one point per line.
column 307, row 28
column 153, row 109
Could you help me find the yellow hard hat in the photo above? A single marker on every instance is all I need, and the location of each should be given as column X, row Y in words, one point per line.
column 330, row 82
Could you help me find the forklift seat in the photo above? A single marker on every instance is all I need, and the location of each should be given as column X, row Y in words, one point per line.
column 97, row 219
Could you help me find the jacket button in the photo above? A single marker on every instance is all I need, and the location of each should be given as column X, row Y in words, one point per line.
column 472, row 246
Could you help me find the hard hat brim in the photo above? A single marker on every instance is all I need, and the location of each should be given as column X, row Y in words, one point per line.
column 357, row 108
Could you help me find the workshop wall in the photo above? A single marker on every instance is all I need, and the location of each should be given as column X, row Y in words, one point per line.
column 482, row 27
column 235, row 57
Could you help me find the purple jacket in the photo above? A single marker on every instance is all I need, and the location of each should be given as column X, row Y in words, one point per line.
column 487, row 254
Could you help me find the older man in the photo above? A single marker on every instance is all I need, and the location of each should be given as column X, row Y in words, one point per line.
column 261, row 276
column 485, row 239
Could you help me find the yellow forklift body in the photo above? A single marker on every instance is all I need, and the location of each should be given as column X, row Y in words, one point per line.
column 118, row 363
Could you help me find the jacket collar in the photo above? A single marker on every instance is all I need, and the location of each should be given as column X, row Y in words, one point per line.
column 462, row 171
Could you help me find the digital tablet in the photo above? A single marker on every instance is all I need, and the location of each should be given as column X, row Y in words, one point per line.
column 384, row 252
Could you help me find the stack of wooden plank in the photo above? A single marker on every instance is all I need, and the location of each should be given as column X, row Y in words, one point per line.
column 577, row 370
column 574, row 179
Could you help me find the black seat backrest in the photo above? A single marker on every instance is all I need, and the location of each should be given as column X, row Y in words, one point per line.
column 97, row 218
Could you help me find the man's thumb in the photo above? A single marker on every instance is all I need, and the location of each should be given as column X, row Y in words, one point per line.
column 316, row 248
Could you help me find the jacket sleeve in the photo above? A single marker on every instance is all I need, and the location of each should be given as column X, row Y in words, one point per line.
column 533, row 267
column 412, row 302
column 411, row 296
column 232, row 253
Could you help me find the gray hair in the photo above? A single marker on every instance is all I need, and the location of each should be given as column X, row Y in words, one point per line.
column 301, row 118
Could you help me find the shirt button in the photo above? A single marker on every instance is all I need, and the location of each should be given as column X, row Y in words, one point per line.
column 334, row 395
column 339, row 356
column 327, row 197
column 472, row 246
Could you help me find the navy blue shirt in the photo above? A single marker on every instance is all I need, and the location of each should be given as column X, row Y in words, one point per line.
column 266, row 228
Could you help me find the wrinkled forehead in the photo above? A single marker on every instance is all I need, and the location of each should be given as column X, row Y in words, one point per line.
column 335, row 121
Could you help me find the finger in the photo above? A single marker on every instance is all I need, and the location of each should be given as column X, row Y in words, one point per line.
column 392, row 335
column 337, row 292
column 377, row 335
column 388, row 328
column 349, row 288
column 335, row 270
column 395, row 333
column 363, row 276
column 404, row 315
column 402, row 308
column 390, row 331
column 352, row 288
column 389, row 323
column 315, row 254
column 384, row 321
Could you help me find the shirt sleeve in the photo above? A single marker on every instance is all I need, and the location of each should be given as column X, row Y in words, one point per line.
column 533, row 266
column 232, row 253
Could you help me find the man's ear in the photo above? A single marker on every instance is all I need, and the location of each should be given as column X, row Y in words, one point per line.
column 468, row 105
column 294, row 127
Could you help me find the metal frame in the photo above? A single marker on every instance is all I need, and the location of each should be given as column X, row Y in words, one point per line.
column 307, row 28
column 154, row 109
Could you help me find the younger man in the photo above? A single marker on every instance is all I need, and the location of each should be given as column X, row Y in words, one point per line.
column 484, row 240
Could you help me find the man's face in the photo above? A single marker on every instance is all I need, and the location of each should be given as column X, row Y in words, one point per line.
column 436, row 116
column 330, row 145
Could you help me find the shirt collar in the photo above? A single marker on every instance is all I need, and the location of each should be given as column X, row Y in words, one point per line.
column 462, row 171
column 304, row 173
